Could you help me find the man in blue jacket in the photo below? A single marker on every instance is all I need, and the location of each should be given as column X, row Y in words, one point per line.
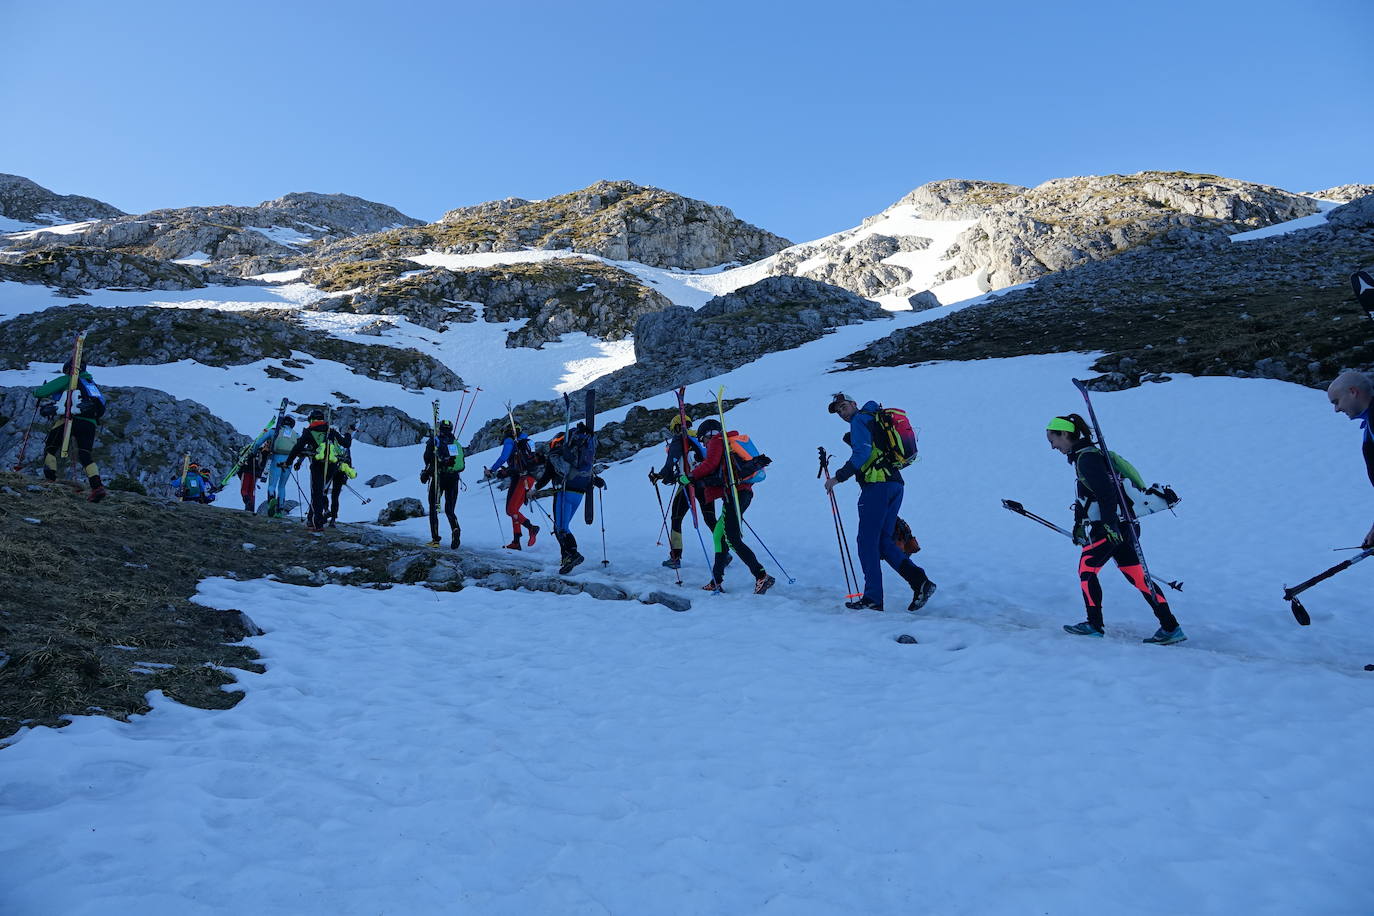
column 1352, row 393
column 880, row 499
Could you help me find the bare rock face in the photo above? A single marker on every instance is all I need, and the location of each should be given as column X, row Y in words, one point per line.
column 147, row 335
column 1025, row 233
column 388, row 427
column 143, row 436
column 232, row 239
column 1345, row 192
column 856, row 266
column 80, row 268
column 555, row 297
column 618, row 220
column 30, row 202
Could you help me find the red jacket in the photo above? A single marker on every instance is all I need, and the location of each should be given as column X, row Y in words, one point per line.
column 715, row 450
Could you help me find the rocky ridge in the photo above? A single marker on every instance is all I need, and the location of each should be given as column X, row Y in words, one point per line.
column 555, row 297
column 148, row 335
column 1277, row 307
column 29, row 202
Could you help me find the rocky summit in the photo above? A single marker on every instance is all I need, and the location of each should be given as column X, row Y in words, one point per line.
column 26, row 201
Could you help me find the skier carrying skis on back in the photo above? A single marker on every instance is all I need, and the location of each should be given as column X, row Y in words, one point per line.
column 320, row 443
column 1352, row 393
column 279, row 465
column 1099, row 529
column 83, row 421
column 447, row 455
column 570, row 466
column 517, row 462
column 716, row 481
column 673, row 468
column 881, row 489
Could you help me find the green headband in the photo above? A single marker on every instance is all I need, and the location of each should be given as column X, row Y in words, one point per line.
column 1060, row 425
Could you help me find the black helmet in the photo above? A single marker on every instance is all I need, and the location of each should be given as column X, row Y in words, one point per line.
column 445, row 426
column 316, row 415
column 709, row 428
column 288, row 420
column 67, row 368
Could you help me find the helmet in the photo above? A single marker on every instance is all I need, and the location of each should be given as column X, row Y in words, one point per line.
column 288, row 420
column 445, row 426
column 316, row 415
column 675, row 421
column 193, row 466
column 709, row 428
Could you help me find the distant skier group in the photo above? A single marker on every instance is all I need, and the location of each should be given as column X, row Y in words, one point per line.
column 712, row 472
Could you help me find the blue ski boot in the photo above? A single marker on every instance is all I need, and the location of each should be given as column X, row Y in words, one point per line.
column 1165, row 637
column 1083, row 629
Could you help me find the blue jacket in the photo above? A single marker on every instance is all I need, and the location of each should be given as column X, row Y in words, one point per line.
column 507, row 449
column 862, row 450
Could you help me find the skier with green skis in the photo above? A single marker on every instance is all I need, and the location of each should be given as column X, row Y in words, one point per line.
column 716, row 475
column 1100, row 520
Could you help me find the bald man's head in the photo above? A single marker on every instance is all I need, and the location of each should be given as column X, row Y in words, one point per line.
column 1351, row 393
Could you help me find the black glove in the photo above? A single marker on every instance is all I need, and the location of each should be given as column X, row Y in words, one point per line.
column 599, row 483
column 47, row 409
column 653, row 475
column 424, row 476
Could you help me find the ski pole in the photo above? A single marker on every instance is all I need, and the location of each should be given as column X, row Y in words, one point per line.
column 540, row 506
column 1291, row 594
column 1019, row 509
column 601, row 498
column 501, row 532
column 464, row 425
column 790, row 580
column 661, row 511
column 851, row 576
column 24, row 446
column 349, row 487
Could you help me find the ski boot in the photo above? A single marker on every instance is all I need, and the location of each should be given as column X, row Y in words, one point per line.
column 1083, row 629
column 764, row 583
column 513, row 545
column 1165, row 637
column 534, row 531
column 674, row 560
column 921, row 596
column 97, row 494
column 453, row 541
column 570, row 562
column 714, row 587
column 863, row 604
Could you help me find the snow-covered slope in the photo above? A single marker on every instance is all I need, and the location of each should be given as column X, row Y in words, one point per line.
column 516, row 753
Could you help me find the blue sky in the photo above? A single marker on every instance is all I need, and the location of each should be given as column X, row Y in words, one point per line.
column 802, row 117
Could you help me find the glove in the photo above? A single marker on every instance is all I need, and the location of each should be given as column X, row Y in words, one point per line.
column 298, row 464
column 424, row 476
column 599, row 483
column 47, row 409
column 1080, row 534
column 685, row 480
column 486, row 473
column 653, row 476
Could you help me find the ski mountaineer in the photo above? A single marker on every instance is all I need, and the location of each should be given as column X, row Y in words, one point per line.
column 447, row 454
column 1099, row 518
column 881, row 489
column 517, row 462
column 673, row 468
column 1352, row 393
column 570, row 467
column 715, row 479
column 312, row 444
column 254, row 467
column 85, row 418
column 341, row 472
column 195, row 486
column 279, row 467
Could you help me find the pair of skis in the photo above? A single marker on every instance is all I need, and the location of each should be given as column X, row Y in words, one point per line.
column 274, row 427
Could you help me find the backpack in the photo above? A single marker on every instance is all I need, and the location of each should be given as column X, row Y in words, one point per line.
column 459, row 460
column 92, row 403
column 906, row 541
column 746, row 462
column 1363, row 284
column 1141, row 500
column 522, row 460
column 572, row 458
column 894, row 437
